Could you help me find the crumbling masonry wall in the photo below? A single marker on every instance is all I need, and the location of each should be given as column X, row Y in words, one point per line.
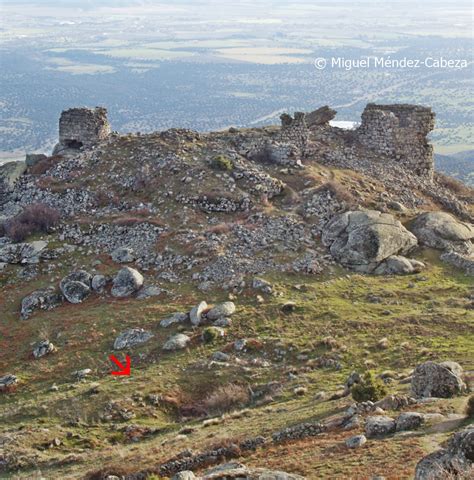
column 399, row 132
column 83, row 127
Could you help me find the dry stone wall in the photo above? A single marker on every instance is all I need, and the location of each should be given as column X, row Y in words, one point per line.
column 399, row 132
column 83, row 127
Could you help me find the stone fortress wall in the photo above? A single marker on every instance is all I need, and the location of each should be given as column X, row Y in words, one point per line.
column 82, row 128
column 399, row 132
column 396, row 133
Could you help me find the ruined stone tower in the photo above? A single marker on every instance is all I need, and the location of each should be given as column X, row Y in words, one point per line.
column 82, row 128
column 399, row 131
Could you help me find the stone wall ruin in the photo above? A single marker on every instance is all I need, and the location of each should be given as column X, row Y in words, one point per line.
column 399, row 132
column 82, row 128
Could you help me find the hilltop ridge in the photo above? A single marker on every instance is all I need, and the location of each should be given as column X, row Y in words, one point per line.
column 253, row 276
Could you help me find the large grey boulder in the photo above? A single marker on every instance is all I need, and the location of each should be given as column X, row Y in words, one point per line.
column 127, row 282
column 398, row 265
column 176, row 342
column 441, row 230
column 225, row 309
column 132, row 337
column 455, row 461
column 98, row 283
column 362, row 240
column 379, row 425
column 10, row 173
column 76, row 286
column 432, row 379
column 22, row 253
column 44, row 299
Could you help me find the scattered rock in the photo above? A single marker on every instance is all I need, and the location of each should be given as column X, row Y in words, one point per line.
column 225, row 309
column 75, row 292
column 98, row 283
column 176, row 342
column 45, row 347
column 7, row 382
column 432, row 379
column 123, row 255
column 127, row 282
column 356, row 441
column 379, row 425
column 79, row 375
column 178, row 317
column 195, row 315
column 44, row 299
column 132, row 337
column 22, row 253
column 409, row 421
column 149, row 291
column 263, row 285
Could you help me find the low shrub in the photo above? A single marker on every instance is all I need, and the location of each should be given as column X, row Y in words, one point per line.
column 210, row 334
column 221, row 162
column 36, row 218
column 226, row 398
column 44, row 165
column 369, row 388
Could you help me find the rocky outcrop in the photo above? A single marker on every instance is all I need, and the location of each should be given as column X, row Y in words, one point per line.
column 221, row 310
column 454, row 461
column 432, row 379
column 367, row 241
column 443, row 231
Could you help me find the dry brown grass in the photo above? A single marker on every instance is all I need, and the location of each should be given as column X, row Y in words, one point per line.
column 338, row 191
column 44, row 165
column 453, row 185
column 226, row 398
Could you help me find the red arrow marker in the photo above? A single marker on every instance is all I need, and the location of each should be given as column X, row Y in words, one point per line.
column 123, row 370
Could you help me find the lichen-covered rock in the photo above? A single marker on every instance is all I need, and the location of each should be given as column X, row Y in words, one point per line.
column 123, row 255
column 195, row 315
column 77, row 276
column 132, row 337
column 441, row 230
column 409, row 421
column 456, row 461
column 399, row 265
column 178, row 317
column 225, row 309
column 432, row 379
column 22, row 253
column 362, row 240
column 379, row 425
column 75, row 292
column 98, row 283
column 176, row 342
column 356, row 441
column 7, row 382
column 44, row 299
column 45, row 347
column 127, row 282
